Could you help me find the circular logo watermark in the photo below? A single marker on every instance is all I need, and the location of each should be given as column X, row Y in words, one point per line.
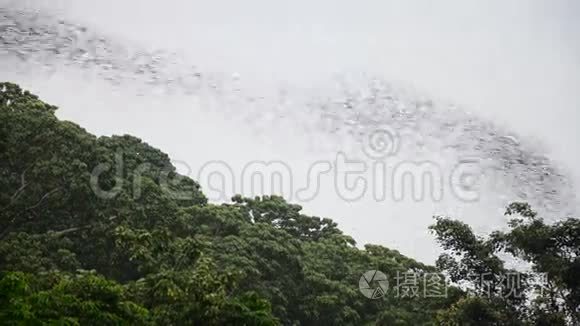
column 380, row 143
column 373, row 284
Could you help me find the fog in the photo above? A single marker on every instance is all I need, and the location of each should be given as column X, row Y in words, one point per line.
column 516, row 63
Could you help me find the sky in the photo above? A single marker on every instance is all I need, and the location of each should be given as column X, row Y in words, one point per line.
column 516, row 63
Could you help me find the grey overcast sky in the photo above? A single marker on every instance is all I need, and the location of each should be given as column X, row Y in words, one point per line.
column 513, row 62
column 506, row 58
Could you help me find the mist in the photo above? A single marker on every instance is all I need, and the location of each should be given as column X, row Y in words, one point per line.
column 515, row 63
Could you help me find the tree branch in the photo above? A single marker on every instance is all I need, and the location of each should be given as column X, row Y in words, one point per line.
column 48, row 194
column 78, row 228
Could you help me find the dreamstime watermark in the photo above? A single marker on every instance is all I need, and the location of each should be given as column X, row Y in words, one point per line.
column 378, row 175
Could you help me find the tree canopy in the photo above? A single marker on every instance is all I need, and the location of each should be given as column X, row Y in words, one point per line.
column 104, row 231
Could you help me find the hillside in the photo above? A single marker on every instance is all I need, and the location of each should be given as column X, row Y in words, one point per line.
column 104, row 231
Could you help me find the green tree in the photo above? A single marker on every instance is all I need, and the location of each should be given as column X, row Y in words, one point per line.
column 551, row 250
column 159, row 253
column 82, row 299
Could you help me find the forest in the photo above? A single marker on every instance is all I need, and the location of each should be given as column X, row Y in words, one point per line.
column 124, row 249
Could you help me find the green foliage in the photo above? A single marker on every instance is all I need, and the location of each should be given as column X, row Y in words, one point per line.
column 82, row 299
column 552, row 250
column 159, row 253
